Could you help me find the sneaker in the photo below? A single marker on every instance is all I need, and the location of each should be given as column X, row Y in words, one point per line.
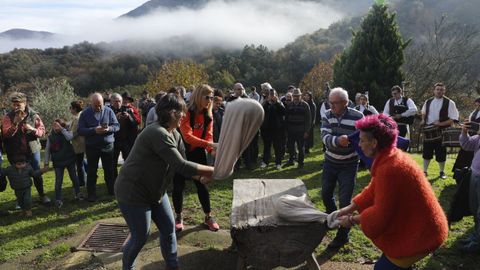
column 79, row 197
column 288, row 164
column 278, row 167
column 17, row 206
column 211, row 224
column 443, row 175
column 263, row 165
column 58, row 204
column 45, row 199
column 338, row 242
column 178, row 224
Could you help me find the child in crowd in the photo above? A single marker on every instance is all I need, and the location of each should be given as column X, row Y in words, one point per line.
column 60, row 150
column 20, row 177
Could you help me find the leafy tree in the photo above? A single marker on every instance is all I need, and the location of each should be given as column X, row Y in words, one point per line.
column 316, row 79
column 175, row 73
column 51, row 99
column 372, row 63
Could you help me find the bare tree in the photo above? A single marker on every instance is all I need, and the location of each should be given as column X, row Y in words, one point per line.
column 443, row 55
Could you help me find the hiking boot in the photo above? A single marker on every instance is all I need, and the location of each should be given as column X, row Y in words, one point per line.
column 211, row 224
column 300, row 166
column 263, row 165
column 92, row 198
column 338, row 242
column 44, row 199
column 178, row 224
column 58, row 204
column 443, row 175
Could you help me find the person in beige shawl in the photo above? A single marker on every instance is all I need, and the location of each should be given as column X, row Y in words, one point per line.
column 78, row 142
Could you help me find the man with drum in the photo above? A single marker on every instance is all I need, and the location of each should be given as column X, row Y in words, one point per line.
column 401, row 109
column 438, row 112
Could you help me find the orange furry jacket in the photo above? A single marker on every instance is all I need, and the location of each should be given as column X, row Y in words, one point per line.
column 398, row 209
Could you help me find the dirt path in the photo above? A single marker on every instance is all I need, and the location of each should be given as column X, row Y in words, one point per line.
column 198, row 249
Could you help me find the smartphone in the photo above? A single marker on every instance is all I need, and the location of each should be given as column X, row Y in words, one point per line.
column 104, row 125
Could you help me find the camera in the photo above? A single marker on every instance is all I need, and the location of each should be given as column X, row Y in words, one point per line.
column 473, row 126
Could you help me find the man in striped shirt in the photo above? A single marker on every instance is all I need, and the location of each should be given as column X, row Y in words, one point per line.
column 341, row 160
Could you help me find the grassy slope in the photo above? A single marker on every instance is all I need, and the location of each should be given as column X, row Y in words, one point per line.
column 20, row 236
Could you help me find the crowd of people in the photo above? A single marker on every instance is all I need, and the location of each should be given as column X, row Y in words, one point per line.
column 173, row 138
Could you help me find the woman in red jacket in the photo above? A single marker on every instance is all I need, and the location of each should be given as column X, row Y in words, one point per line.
column 398, row 210
column 197, row 132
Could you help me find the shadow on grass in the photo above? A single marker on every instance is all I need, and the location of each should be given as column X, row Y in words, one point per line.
column 202, row 259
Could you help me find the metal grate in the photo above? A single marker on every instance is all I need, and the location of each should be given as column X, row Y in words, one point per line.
column 106, row 238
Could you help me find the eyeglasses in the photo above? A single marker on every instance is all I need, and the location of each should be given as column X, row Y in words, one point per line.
column 208, row 97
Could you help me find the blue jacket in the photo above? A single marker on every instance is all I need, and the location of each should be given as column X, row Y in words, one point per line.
column 87, row 124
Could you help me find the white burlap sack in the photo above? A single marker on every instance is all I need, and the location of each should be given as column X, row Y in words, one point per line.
column 241, row 121
column 298, row 209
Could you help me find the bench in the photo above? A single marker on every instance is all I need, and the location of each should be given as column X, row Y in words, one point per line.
column 263, row 240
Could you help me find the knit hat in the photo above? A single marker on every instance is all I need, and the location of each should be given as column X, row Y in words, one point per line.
column 18, row 97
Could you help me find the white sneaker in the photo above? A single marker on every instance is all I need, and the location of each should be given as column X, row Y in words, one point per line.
column 279, row 167
column 17, row 206
column 45, row 199
column 263, row 165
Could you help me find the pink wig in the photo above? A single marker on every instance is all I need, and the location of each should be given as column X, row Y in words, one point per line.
column 382, row 127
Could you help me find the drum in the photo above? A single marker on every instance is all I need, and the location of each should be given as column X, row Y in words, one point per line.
column 450, row 137
column 432, row 134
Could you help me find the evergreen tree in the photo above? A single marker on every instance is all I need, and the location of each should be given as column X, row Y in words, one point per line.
column 372, row 63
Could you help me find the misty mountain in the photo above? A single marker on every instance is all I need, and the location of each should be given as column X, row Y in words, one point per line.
column 18, row 33
column 152, row 5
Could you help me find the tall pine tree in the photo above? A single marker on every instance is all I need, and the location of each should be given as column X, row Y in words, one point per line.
column 372, row 63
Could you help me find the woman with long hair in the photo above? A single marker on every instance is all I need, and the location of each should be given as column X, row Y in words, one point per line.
column 197, row 132
column 142, row 183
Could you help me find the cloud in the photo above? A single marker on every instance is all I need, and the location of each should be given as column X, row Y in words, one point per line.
column 231, row 24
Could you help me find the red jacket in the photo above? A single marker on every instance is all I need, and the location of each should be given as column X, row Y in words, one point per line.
column 193, row 137
column 399, row 210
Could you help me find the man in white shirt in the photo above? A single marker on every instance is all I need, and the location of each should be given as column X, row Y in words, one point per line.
column 441, row 112
column 401, row 109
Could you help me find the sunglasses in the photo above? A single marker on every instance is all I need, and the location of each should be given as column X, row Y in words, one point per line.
column 208, row 97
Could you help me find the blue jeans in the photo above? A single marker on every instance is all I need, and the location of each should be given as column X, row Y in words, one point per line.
column 34, row 160
column 59, row 180
column 80, row 165
column 475, row 202
column 138, row 219
column 345, row 175
column 385, row 264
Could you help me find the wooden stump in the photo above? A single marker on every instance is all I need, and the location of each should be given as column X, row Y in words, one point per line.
column 263, row 240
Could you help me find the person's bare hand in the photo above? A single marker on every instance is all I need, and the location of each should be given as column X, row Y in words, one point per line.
column 214, row 145
column 205, row 180
column 101, row 130
column 29, row 127
column 437, row 123
column 344, row 222
column 343, row 140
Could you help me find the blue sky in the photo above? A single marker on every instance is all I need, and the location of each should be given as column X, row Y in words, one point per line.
column 58, row 15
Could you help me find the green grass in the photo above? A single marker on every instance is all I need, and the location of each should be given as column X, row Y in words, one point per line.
column 49, row 227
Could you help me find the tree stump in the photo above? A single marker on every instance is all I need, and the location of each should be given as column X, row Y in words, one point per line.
column 263, row 240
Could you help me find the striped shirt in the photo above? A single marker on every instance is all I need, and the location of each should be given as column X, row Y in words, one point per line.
column 332, row 128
